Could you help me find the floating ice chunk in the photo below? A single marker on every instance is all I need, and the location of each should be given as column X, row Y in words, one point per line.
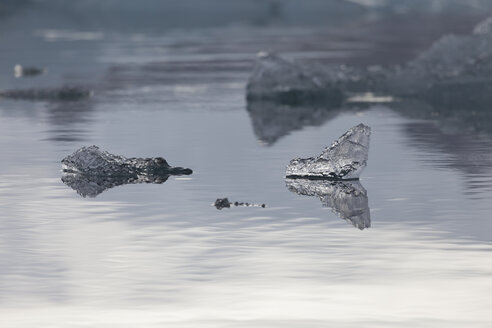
column 221, row 203
column 451, row 63
column 348, row 199
column 90, row 171
column 93, row 161
column 438, row 75
column 279, row 79
column 344, row 159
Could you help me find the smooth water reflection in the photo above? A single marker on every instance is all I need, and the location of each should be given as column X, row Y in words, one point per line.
column 159, row 254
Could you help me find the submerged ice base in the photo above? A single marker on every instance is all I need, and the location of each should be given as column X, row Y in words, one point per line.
column 344, row 159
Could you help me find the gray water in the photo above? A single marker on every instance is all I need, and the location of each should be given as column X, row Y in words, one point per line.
column 154, row 255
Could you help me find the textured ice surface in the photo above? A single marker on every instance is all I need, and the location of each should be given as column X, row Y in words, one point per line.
column 90, row 171
column 93, row 161
column 344, row 159
column 348, row 199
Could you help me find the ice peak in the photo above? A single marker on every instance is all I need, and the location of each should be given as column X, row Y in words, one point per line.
column 344, row 159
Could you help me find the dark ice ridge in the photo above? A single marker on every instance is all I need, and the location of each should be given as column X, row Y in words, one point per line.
column 91, row 171
column 66, row 93
column 455, row 68
column 348, row 199
column 23, row 71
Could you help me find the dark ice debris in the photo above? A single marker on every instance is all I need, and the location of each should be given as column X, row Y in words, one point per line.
column 66, row 93
column 221, row 203
column 22, row 71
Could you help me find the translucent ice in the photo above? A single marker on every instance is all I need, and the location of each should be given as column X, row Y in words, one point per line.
column 344, row 159
column 348, row 199
column 283, row 80
column 90, row 171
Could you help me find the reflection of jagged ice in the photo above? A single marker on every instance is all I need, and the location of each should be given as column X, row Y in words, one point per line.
column 91, row 186
column 344, row 159
column 271, row 120
column 90, row 171
column 348, row 199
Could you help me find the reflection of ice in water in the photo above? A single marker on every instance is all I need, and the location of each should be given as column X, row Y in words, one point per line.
column 271, row 120
column 92, row 186
column 348, row 199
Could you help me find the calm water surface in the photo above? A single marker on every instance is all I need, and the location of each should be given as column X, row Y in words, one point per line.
column 154, row 255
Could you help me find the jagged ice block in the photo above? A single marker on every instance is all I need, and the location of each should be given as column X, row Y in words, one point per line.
column 343, row 160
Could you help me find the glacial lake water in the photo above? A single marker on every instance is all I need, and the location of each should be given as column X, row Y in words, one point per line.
column 155, row 255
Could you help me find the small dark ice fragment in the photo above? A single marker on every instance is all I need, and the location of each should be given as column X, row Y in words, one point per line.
column 221, row 203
